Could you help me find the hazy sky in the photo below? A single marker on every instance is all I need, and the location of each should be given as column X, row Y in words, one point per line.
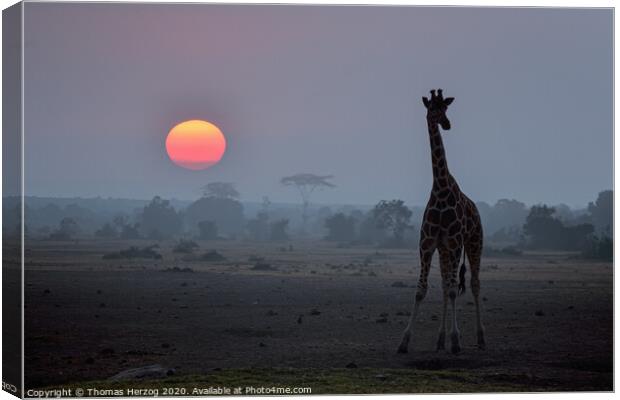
column 321, row 89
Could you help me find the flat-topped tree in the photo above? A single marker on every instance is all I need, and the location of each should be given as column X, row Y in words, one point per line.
column 306, row 184
column 221, row 190
column 218, row 205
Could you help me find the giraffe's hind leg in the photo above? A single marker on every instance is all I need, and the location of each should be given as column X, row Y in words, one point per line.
column 453, row 257
column 474, row 251
column 444, row 261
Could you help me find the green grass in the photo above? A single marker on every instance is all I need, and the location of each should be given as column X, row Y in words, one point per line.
column 328, row 381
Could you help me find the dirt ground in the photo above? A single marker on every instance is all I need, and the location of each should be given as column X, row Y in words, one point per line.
column 548, row 317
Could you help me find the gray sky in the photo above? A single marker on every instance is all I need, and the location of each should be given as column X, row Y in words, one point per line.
column 321, row 89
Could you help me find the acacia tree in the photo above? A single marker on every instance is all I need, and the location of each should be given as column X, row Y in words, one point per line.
column 219, row 204
column 306, row 184
column 220, row 190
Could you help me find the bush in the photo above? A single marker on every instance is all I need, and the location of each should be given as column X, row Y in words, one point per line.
column 185, row 246
column 130, row 232
column 226, row 213
column 160, row 220
column 341, row 227
column 207, row 230
column 67, row 230
column 213, row 255
column 134, row 252
column 599, row 248
column 107, row 231
column 278, row 230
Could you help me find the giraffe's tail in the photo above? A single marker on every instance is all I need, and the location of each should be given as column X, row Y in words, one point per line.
column 462, row 272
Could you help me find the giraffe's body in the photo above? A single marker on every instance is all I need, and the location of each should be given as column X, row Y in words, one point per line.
column 451, row 225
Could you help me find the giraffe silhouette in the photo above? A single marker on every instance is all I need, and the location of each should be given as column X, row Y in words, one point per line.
column 451, row 225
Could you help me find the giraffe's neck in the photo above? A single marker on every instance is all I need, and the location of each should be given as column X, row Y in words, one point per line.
column 438, row 156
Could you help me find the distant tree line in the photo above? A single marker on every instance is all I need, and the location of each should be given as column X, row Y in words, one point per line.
column 219, row 214
column 590, row 232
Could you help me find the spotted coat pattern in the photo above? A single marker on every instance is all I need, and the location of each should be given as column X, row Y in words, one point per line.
column 451, row 225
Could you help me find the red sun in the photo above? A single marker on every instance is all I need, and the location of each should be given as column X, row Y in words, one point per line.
column 195, row 144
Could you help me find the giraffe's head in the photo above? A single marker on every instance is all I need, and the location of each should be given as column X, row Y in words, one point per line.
column 436, row 108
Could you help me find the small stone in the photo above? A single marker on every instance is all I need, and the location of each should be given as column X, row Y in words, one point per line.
column 539, row 313
column 382, row 320
column 351, row 365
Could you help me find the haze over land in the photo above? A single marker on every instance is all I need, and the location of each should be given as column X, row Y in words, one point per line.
column 327, row 90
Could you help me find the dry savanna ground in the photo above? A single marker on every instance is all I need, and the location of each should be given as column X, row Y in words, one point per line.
column 309, row 314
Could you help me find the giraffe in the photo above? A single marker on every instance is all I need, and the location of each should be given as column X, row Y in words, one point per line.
column 451, row 225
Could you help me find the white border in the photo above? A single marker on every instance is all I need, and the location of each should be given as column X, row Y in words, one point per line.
column 479, row 3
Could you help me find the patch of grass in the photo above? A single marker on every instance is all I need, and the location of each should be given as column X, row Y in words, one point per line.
column 509, row 251
column 134, row 252
column 185, row 246
column 212, row 255
column 329, row 381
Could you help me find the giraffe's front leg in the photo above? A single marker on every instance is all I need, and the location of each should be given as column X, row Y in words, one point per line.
column 419, row 296
column 425, row 256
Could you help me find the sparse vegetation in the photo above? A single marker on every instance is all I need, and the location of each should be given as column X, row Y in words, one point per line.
column 212, row 255
column 160, row 220
column 185, row 246
column 207, row 230
column 599, row 248
column 395, row 217
column 501, row 252
column 341, row 227
column 347, row 380
column 306, row 184
column 134, row 252
column 278, row 230
column 545, row 231
column 67, row 230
